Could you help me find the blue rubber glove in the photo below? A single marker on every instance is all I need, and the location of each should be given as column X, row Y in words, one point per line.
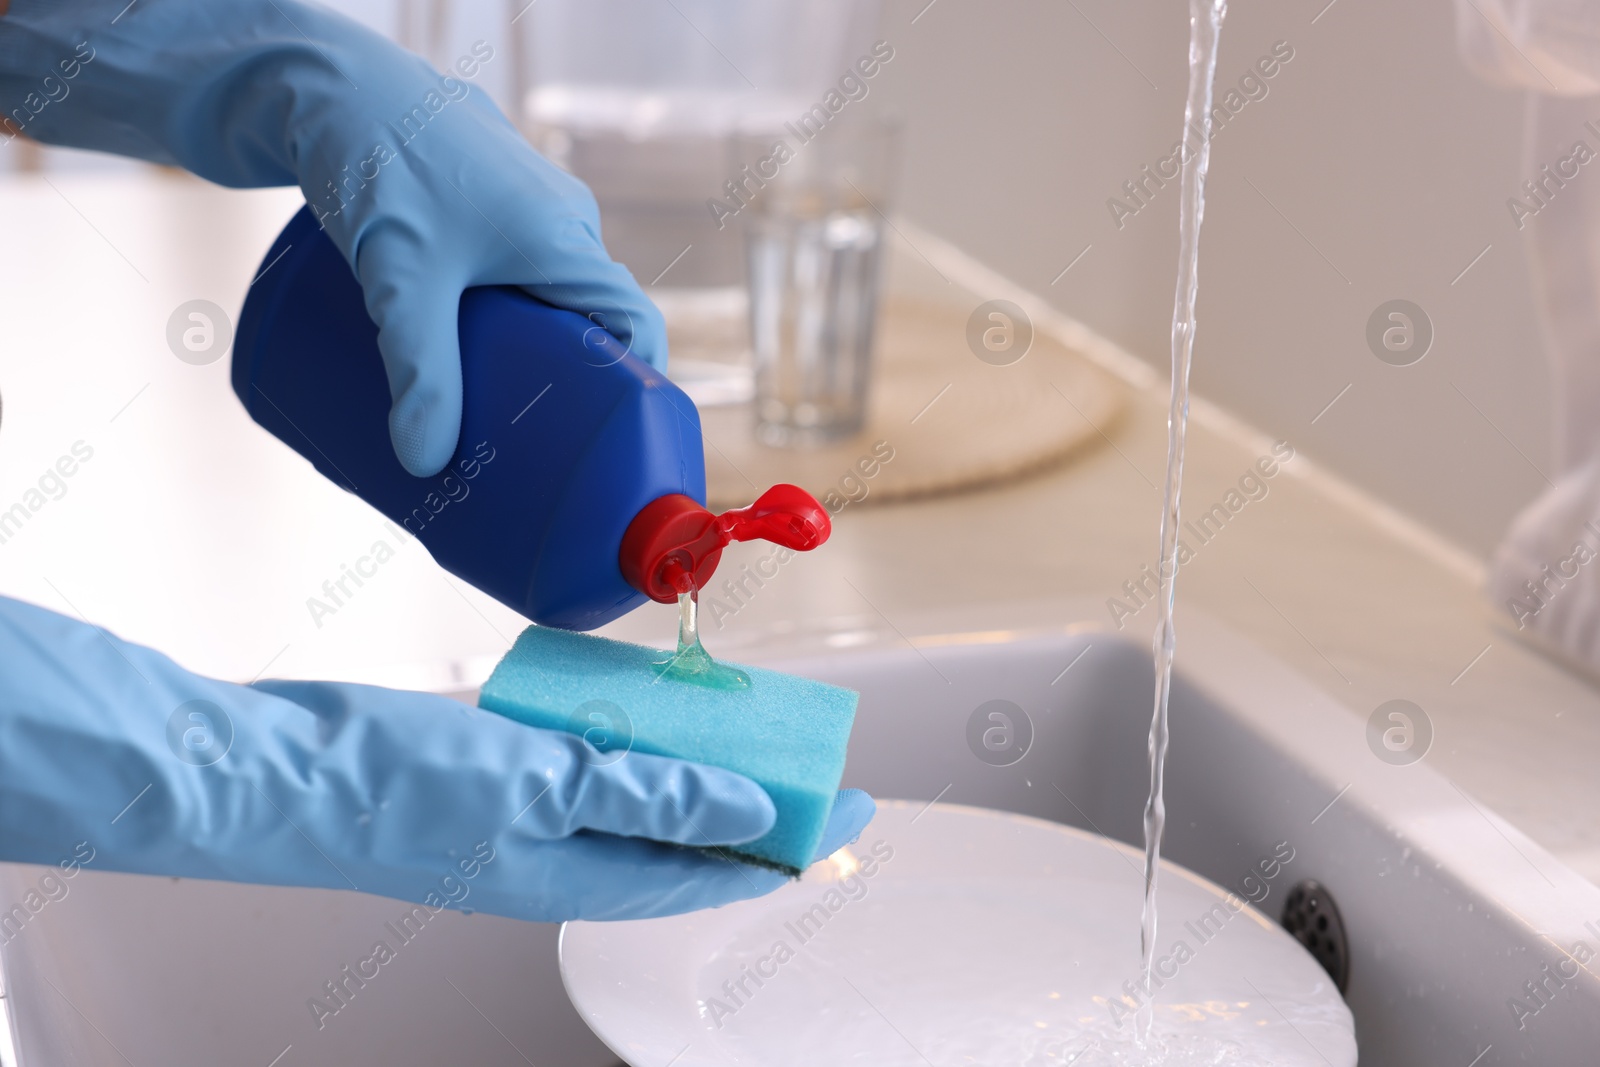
column 112, row 751
column 419, row 179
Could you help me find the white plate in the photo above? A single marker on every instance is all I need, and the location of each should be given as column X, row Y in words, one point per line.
column 958, row 936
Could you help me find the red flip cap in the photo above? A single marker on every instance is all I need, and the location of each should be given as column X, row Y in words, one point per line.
column 674, row 544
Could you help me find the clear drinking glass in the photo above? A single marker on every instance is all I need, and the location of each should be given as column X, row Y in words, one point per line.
column 641, row 99
column 646, row 120
column 814, row 233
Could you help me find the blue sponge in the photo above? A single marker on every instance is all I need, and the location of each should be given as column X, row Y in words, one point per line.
column 787, row 734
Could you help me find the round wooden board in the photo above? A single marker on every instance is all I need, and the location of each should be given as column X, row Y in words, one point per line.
column 950, row 420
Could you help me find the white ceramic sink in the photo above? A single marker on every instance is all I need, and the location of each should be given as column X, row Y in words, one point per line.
column 1450, row 911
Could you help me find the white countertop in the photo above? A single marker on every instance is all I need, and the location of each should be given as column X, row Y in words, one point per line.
column 191, row 530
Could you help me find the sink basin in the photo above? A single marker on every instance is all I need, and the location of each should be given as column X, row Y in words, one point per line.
column 1466, row 941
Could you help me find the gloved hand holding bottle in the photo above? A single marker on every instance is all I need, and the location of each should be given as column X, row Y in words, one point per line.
column 419, row 179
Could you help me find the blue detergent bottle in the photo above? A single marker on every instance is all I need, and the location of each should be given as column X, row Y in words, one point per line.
column 577, row 489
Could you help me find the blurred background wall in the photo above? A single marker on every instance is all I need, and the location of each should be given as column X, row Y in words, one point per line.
column 1375, row 168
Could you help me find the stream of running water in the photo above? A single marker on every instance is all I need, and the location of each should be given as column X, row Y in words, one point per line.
column 1205, row 27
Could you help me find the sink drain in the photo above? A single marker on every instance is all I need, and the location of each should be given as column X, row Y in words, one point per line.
column 1312, row 917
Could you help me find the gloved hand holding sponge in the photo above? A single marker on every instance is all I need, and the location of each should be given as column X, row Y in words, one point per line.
column 343, row 786
column 431, row 306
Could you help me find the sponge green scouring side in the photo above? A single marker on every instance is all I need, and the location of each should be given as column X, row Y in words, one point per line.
column 788, row 734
